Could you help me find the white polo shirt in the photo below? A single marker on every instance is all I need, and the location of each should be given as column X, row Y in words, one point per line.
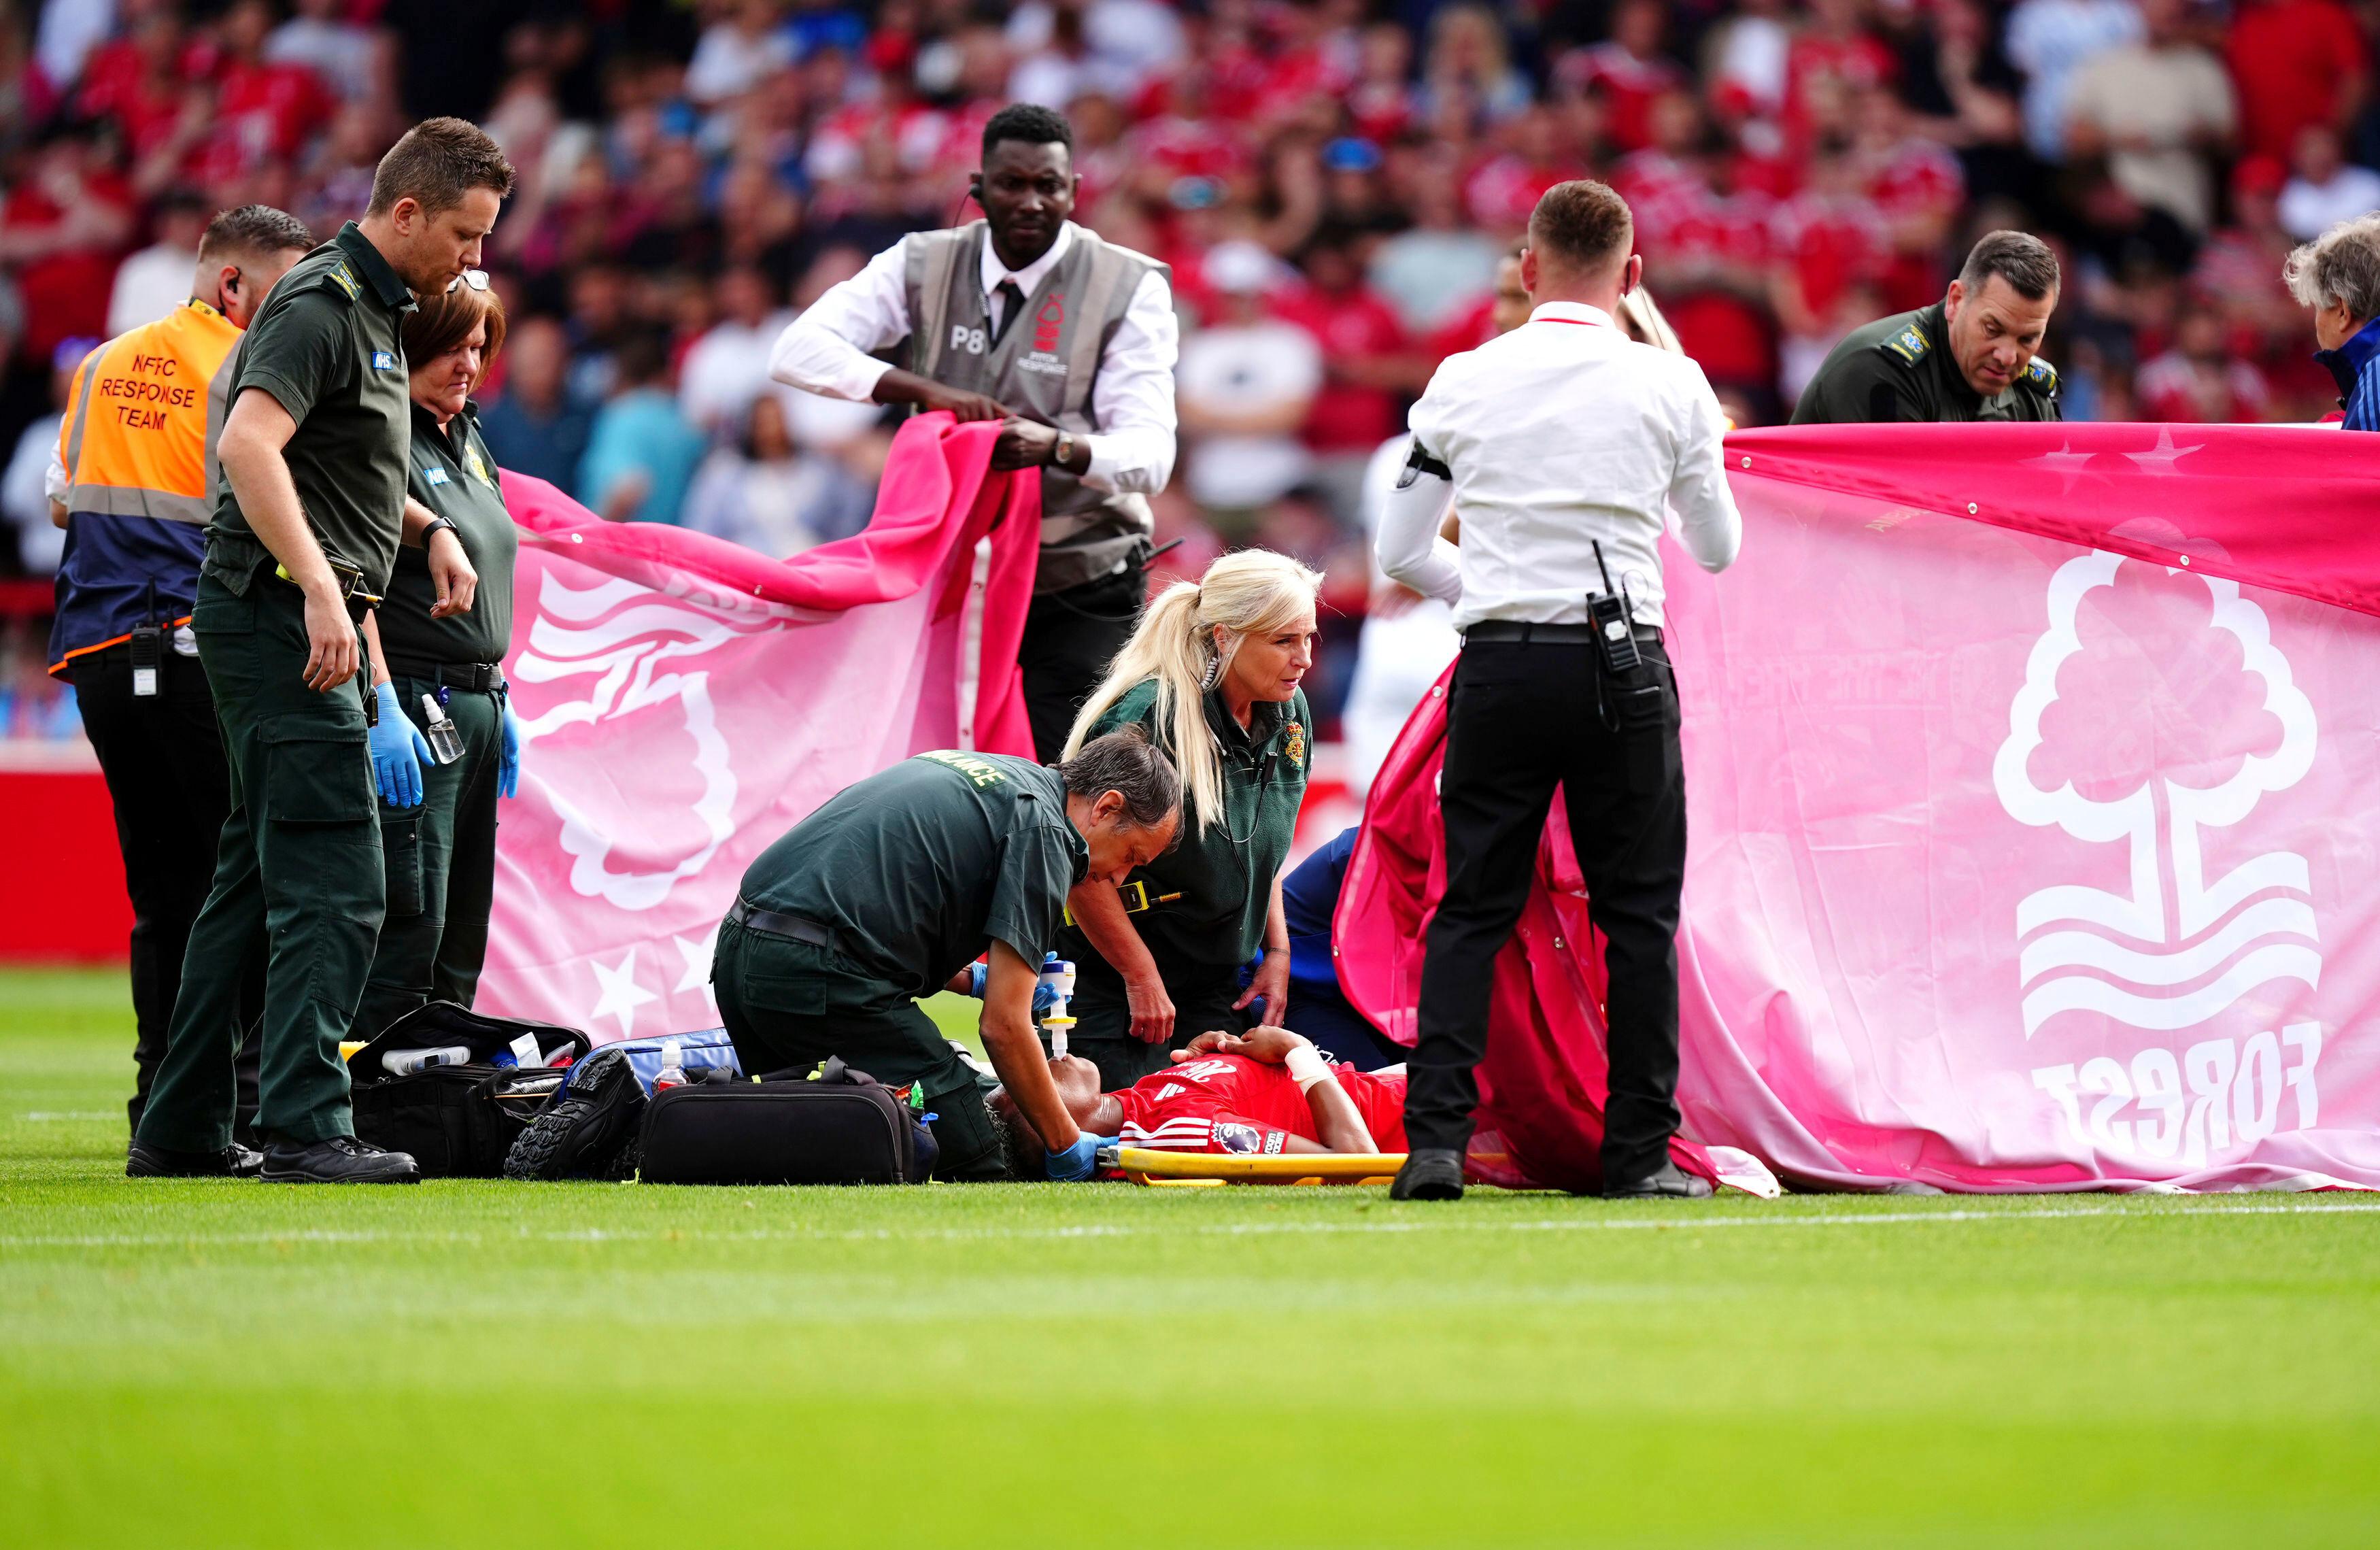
column 1560, row 433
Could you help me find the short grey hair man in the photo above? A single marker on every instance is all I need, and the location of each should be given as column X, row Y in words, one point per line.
column 2337, row 274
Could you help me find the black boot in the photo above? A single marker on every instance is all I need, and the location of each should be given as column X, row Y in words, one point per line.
column 337, row 1160
column 159, row 1162
column 1433, row 1173
column 1666, row 1182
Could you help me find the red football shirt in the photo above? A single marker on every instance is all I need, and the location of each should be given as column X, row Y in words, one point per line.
column 1232, row 1104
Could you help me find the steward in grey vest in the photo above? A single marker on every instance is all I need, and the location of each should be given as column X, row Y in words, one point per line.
column 1044, row 367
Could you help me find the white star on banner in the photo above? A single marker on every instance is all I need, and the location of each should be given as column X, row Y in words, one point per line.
column 698, row 955
column 2066, row 463
column 621, row 996
column 2161, row 458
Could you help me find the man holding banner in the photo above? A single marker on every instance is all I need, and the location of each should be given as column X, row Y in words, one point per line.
column 1564, row 444
column 1969, row 356
column 1086, row 394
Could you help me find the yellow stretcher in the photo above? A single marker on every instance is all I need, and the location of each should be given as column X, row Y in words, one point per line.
column 1144, row 1165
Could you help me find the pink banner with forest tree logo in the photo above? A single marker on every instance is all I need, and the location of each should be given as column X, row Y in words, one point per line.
column 2033, row 794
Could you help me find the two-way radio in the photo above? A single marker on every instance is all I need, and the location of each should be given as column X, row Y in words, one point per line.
column 1615, row 627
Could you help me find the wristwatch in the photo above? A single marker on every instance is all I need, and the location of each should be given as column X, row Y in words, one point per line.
column 1063, row 455
column 437, row 523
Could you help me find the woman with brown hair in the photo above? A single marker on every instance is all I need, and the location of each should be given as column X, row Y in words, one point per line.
column 438, row 669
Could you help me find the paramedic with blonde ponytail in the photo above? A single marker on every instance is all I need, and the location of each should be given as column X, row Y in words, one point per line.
column 1212, row 675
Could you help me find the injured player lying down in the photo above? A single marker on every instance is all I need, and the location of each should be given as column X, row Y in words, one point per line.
column 1267, row 1092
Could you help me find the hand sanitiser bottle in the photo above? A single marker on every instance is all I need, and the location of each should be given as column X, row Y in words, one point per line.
column 445, row 743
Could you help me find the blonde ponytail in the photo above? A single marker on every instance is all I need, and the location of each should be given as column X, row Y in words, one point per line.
column 1252, row 592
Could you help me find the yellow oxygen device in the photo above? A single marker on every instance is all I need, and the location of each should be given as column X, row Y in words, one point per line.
column 1137, row 899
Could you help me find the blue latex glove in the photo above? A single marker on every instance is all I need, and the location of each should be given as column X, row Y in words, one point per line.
column 398, row 752
column 508, row 765
column 1077, row 1161
column 1045, row 994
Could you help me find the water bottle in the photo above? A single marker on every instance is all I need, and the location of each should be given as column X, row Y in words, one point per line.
column 672, row 1068
column 407, row 1062
column 445, row 743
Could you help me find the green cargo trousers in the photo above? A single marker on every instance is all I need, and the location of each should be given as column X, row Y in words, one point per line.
column 787, row 1002
column 297, row 884
column 441, row 858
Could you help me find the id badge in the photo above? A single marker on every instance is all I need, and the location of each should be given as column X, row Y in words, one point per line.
column 148, row 644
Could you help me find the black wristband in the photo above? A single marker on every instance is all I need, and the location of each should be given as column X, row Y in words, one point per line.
column 434, row 525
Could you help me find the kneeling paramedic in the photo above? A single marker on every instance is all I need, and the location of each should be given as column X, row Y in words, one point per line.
column 891, row 890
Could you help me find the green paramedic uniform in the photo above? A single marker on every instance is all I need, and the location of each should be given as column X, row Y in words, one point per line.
column 441, row 855
column 1225, row 877
column 1901, row 369
column 298, row 880
column 880, row 897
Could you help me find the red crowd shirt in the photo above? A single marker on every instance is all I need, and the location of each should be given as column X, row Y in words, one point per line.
column 2290, row 60
column 1231, row 1104
column 1814, row 64
column 1348, row 416
column 264, row 113
column 1626, row 84
column 1833, row 243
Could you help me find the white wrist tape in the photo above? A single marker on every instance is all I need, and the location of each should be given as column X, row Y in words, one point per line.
column 1306, row 1067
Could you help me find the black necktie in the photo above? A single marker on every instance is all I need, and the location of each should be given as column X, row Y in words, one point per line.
column 1012, row 302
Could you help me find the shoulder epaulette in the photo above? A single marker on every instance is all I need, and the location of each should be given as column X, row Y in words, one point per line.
column 335, row 277
column 2042, row 374
column 1908, row 344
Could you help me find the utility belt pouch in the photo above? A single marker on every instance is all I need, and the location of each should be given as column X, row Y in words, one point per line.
column 842, row 1126
column 147, row 645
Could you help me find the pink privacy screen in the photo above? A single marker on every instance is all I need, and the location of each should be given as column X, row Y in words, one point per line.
column 685, row 701
column 2033, row 846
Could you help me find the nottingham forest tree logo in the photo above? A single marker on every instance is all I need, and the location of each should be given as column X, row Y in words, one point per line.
column 2156, row 715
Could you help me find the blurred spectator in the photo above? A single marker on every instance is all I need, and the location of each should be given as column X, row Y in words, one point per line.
column 1627, row 72
column 728, row 366
column 24, row 492
column 2325, row 188
column 264, row 110
column 155, row 280
column 536, row 425
column 640, row 452
column 758, row 489
column 2199, row 380
column 2050, row 41
column 2158, row 109
column 352, row 60
column 1242, row 389
column 62, row 227
column 1440, row 264
column 2297, row 62
column 744, row 44
column 1367, row 365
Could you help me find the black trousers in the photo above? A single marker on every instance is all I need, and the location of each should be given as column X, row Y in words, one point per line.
column 162, row 757
column 1069, row 639
column 1523, row 719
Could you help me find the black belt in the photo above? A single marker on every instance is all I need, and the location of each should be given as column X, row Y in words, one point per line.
column 349, row 579
column 479, row 678
column 1527, row 634
column 800, row 928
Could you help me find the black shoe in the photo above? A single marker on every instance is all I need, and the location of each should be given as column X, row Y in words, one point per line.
column 337, row 1160
column 1666, row 1182
column 1433, row 1173
column 163, row 1162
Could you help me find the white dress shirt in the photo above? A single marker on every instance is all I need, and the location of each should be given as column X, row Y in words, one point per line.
column 828, row 348
column 1558, row 434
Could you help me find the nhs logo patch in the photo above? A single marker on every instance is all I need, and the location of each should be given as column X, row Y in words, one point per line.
column 383, row 360
column 437, row 476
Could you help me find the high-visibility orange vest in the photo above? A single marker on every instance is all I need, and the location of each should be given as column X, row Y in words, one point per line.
column 137, row 446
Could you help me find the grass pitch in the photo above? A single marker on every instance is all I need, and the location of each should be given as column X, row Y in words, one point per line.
column 202, row 1364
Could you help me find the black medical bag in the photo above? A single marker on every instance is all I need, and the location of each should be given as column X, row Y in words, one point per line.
column 842, row 1126
column 458, row 1121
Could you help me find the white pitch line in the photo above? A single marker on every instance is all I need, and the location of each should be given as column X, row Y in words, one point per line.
column 72, row 1113
column 1682, row 1222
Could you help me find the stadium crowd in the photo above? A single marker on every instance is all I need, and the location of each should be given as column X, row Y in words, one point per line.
column 1333, row 183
